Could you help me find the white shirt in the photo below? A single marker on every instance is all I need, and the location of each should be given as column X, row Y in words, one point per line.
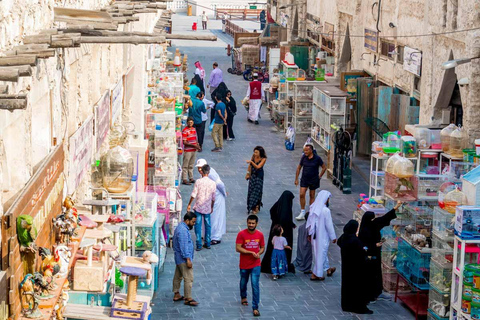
column 204, row 17
column 263, row 92
column 208, row 105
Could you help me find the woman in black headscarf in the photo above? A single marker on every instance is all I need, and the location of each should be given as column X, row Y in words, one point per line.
column 199, row 83
column 222, row 90
column 353, row 269
column 281, row 213
column 231, row 112
column 371, row 238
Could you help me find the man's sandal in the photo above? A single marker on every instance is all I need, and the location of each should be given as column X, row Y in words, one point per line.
column 244, row 302
column 256, row 313
column 191, row 303
column 179, row 299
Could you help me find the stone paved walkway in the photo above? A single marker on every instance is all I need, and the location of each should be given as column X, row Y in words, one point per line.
column 216, row 271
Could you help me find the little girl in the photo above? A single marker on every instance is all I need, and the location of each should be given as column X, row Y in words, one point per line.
column 279, row 258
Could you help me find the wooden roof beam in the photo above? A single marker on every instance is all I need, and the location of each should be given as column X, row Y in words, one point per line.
column 13, row 102
column 124, row 39
column 18, row 60
column 200, row 37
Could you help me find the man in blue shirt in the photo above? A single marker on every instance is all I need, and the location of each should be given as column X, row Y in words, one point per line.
column 193, row 89
column 220, row 121
column 183, row 251
column 195, row 112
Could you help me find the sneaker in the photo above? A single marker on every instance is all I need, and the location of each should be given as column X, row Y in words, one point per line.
column 214, row 149
column 230, row 139
column 301, row 216
column 384, row 297
column 249, row 120
column 275, row 277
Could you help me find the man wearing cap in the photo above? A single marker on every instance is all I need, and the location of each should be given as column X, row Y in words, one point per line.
column 256, row 96
column 218, row 217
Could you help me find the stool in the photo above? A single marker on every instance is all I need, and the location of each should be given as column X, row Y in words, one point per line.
column 130, row 309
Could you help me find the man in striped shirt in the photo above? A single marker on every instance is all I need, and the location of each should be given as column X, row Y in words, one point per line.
column 190, row 147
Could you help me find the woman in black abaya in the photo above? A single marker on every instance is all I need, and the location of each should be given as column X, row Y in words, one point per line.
column 222, row 91
column 281, row 213
column 371, row 238
column 353, row 269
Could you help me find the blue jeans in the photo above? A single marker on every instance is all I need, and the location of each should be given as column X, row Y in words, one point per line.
column 255, row 274
column 198, row 229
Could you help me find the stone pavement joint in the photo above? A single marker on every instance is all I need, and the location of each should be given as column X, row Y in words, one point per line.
column 216, row 272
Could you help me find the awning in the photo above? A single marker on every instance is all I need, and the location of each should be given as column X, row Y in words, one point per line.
column 448, row 85
column 346, row 56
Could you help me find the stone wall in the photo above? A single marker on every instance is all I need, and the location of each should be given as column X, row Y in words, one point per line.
column 62, row 91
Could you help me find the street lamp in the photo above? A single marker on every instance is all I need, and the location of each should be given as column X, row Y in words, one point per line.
column 456, row 62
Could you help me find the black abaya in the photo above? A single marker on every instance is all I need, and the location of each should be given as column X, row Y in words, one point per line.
column 303, row 261
column 281, row 213
column 353, row 270
column 222, row 91
column 199, row 83
column 370, row 235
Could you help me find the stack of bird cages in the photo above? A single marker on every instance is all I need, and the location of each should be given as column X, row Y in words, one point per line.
column 429, row 186
column 418, row 232
column 414, row 264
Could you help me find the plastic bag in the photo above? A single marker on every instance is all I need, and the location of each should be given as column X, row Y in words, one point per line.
column 290, row 139
column 211, row 125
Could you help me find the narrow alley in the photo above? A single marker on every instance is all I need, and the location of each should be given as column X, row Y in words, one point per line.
column 216, row 271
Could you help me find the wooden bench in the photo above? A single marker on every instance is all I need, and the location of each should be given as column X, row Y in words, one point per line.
column 238, row 13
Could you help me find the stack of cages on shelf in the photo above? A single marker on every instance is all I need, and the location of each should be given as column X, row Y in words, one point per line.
column 163, row 220
column 428, row 186
column 438, row 304
column 419, row 231
column 414, row 264
column 403, row 189
column 166, row 158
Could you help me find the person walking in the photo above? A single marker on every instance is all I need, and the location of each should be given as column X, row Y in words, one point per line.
column 303, row 261
column 255, row 95
column 220, row 122
column 255, row 175
column 219, row 215
column 370, row 235
column 208, row 105
column 193, row 89
column 183, row 251
column 200, row 72
column 204, row 20
column 281, row 214
column 263, row 19
column 221, row 90
column 353, row 270
column 231, row 112
column 216, row 77
column 279, row 265
column 250, row 244
column 204, row 195
column 311, row 163
column 196, row 112
column 190, row 148
column 321, row 231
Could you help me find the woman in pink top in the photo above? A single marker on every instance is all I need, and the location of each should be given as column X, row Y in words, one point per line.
column 279, row 258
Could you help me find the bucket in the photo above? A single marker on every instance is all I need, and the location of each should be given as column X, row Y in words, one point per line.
column 466, row 304
column 476, row 280
column 467, row 290
column 476, row 295
column 475, row 310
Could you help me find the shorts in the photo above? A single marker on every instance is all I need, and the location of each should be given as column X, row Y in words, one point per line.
column 310, row 184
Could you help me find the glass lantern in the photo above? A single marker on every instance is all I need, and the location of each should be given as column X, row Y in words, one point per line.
column 117, row 170
column 445, row 136
column 403, row 168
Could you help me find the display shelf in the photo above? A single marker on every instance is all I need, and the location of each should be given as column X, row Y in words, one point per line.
column 417, row 302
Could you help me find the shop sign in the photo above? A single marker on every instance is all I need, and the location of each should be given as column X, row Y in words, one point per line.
column 117, row 101
column 412, row 60
column 371, row 39
column 102, row 119
column 80, row 148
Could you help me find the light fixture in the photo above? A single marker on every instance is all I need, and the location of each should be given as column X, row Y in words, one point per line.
column 361, row 58
column 463, row 82
column 456, row 62
column 391, row 25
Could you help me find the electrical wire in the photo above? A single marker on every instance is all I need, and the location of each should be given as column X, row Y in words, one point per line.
column 351, row 36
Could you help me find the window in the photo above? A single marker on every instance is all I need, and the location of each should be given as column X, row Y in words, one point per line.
column 386, row 49
column 417, row 83
column 400, row 50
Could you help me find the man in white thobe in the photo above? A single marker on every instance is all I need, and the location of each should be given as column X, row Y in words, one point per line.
column 218, row 218
column 256, row 96
column 321, row 232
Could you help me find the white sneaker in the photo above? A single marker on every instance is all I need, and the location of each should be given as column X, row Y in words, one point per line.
column 301, row 216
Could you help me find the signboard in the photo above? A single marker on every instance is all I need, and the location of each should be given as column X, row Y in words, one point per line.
column 253, row 7
column 102, row 119
column 117, row 101
column 81, row 143
column 412, row 60
column 41, row 199
column 371, row 40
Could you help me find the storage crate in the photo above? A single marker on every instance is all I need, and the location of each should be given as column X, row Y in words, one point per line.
column 404, row 189
column 467, row 222
column 439, row 303
column 414, row 264
column 389, row 279
column 440, row 275
column 442, row 249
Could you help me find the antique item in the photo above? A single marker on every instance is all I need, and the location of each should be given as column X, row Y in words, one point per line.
column 27, row 233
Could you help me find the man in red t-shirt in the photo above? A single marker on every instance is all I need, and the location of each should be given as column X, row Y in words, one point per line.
column 190, row 148
column 251, row 245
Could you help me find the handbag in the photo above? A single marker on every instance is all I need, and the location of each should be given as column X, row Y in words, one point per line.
column 211, row 125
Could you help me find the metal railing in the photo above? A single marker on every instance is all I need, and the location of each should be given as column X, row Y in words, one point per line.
column 231, row 28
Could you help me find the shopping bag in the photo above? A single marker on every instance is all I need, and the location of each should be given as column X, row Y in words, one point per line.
column 211, row 125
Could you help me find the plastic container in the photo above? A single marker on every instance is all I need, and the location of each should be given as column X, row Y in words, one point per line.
column 453, row 199
column 393, row 142
column 289, row 59
column 466, row 304
column 467, row 289
column 445, row 136
column 458, row 142
column 409, row 147
column 403, row 168
column 423, row 136
column 377, row 146
column 468, row 155
column 436, row 142
column 117, row 170
column 475, row 310
column 391, row 162
column 301, row 75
